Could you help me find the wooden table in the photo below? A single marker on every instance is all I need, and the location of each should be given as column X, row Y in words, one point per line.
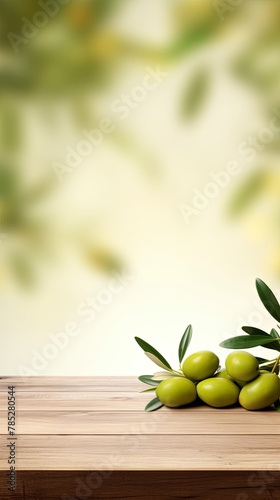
column 89, row 437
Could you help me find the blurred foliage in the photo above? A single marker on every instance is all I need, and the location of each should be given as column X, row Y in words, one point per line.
column 76, row 58
column 248, row 192
column 195, row 94
column 257, row 65
column 105, row 260
column 73, row 58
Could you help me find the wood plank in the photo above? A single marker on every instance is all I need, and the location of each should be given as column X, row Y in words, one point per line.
column 145, row 452
column 75, row 384
column 140, row 485
column 166, row 421
column 99, row 401
column 104, row 401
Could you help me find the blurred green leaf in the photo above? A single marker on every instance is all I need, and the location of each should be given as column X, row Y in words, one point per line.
column 134, row 147
column 9, row 182
column 11, row 128
column 268, row 299
column 104, row 260
column 247, row 193
column 255, row 64
column 193, row 36
column 23, row 269
column 195, row 94
column 184, row 344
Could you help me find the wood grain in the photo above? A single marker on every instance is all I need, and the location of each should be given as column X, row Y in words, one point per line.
column 87, row 424
column 145, row 485
column 145, row 452
column 72, row 384
column 167, row 422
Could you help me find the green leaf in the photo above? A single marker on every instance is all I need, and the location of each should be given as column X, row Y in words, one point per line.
column 277, row 405
column 268, row 299
column 261, row 360
column 251, row 330
column 147, row 379
column 164, row 375
column 157, row 361
column 184, row 343
column 149, row 389
column 153, row 405
column 243, row 342
column 274, row 333
column 147, row 348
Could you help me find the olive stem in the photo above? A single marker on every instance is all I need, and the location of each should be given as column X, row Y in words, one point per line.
column 275, row 364
column 267, row 363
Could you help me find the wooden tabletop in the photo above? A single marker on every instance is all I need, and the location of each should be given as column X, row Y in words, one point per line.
column 99, row 423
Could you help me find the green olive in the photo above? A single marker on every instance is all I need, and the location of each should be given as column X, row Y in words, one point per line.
column 240, row 383
column 224, row 374
column 218, row 392
column 261, row 392
column 200, row 365
column 176, row 391
column 242, row 366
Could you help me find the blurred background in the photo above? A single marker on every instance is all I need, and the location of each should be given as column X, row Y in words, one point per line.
column 170, row 92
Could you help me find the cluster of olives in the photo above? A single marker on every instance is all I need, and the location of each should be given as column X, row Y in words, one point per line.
column 241, row 381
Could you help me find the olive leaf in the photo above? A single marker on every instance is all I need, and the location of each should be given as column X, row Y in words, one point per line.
column 243, row 342
column 148, row 349
column 274, row 333
column 268, row 299
column 251, row 330
column 261, row 360
column 184, row 343
column 149, row 389
column 148, row 379
column 160, row 376
column 153, row 405
column 157, row 361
